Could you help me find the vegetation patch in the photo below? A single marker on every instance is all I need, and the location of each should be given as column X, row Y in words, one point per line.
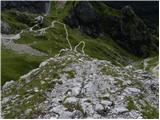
column 120, row 83
column 15, row 65
column 105, row 10
column 149, row 112
column 130, row 104
column 18, row 20
column 71, row 107
column 32, row 90
column 71, row 74
column 109, row 71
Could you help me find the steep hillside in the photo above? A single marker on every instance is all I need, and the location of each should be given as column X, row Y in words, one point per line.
column 126, row 28
column 104, row 46
column 94, row 62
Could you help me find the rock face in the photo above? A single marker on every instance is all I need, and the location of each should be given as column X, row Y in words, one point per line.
column 147, row 10
column 130, row 32
column 85, row 17
column 74, row 85
column 136, row 37
column 5, row 28
column 32, row 6
column 124, row 26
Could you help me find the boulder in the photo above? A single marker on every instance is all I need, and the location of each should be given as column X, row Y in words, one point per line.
column 5, row 28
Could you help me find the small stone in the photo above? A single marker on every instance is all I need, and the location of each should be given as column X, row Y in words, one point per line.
column 75, row 91
column 46, row 78
column 99, row 107
column 42, row 82
column 103, row 112
column 132, row 90
column 120, row 109
column 72, row 100
column 107, row 95
column 28, row 111
column 7, row 84
column 5, row 100
column 134, row 114
column 36, row 89
column 106, row 102
column 153, row 87
column 128, row 82
column 43, row 63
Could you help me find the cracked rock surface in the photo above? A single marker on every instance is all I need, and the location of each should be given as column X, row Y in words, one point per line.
column 74, row 85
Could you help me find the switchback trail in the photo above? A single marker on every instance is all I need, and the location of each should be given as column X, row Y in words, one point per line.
column 8, row 41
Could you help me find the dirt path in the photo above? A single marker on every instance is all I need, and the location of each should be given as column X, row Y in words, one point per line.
column 8, row 41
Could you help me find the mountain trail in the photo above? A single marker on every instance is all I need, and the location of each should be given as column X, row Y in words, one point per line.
column 8, row 40
column 73, row 85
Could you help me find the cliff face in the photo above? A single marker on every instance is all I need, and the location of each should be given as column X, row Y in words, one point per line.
column 147, row 10
column 32, row 6
column 124, row 26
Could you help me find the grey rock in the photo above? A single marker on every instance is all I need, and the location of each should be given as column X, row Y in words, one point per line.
column 99, row 107
column 71, row 100
column 8, row 84
column 90, row 94
column 87, row 19
column 120, row 109
column 5, row 28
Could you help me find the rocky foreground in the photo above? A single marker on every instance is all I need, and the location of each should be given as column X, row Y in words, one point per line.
column 74, row 85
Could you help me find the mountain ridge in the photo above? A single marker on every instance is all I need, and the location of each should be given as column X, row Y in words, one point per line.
column 83, row 76
column 67, row 85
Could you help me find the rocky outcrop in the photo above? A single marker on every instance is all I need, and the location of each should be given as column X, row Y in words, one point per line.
column 74, row 85
column 85, row 17
column 147, row 10
column 5, row 28
column 134, row 34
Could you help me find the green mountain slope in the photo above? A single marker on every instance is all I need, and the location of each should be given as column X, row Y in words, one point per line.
column 103, row 47
column 84, row 71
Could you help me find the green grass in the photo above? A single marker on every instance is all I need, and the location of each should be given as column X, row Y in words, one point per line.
column 54, row 40
column 17, row 20
column 105, row 10
column 71, row 107
column 43, row 80
column 60, row 13
column 151, row 63
column 14, row 65
column 102, row 47
column 71, row 74
column 109, row 71
column 149, row 112
column 130, row 104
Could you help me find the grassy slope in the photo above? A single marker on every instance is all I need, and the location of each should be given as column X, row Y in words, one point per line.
column 14, row 65
column 54, row 40
column 17, row 20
